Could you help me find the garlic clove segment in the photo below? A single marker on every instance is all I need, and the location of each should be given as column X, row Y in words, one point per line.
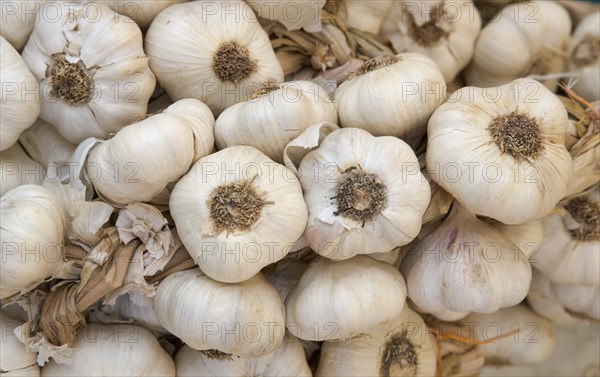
column 15, row 358
column 585, row 57
column 364, row 194
column 229, row 58
column 340, row 300
column 500, row 150
column 244, row 319
column 238, row 211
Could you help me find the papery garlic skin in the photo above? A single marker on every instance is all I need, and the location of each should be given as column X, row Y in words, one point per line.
column 202, row 68
column 17, row 19
column 340, row 300
column 32, row 231
column 17, row 169
column 20, row 103
column 102, row 52
column 15, row 358
column 268, row 122
column 140, row 11
column 392, row 96
column 402, row 347
column 473, row 153
column 382, row 211
column 229, row 239
column 244, row 319
column 293, row 15
column 585, row 57
column 114, row 350
column 410, row 25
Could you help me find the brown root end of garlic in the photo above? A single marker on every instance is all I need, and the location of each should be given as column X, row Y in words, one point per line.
column 517, row 135
column 71, row 82
column 398, row 357
column 587, row 52
column 360, row 196
column 587, row 215
column 232, row 62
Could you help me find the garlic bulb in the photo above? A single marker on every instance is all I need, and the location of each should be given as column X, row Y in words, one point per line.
column 143, row 158
column 364, row 194
column 244, row 319
column 465, row 265
column 92, row 71
column 17, row 19
column 17, row 169
column 585, row 57
column 402, row 347
column 293, row 15
column 392, row 96
column 15, row 359
column 114, row 350
column 229, row 59
column 32, row 232
column 287, row 360
column 20, row 102
column 445, row 31
column 140, row 11
column 532, row 343
column 47, row 146
column 238, row 211
column 570, row 250
column 340, row 300
column 500, row 151
column 274, row 116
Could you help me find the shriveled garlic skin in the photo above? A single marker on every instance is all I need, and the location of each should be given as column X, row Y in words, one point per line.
column 15, row 358
column 232, row 255
column 287, row 360
column 140, row 11
column 110, row 48
column 17, row 169
column 521, row 182
column 458, row 25
column 245, row 319
column 270, row 121
column 293, row 15
column 366, row 15
column 184, row 66
column 533, row 344
column 17, row 19
column 465, row 265
column 32, row 229
column 141, row 159
column 20, row 105
column 339, row 300
column 585, row 57
column 393, row 100
column 114, row 350
column 402, row 347
column 46, row 145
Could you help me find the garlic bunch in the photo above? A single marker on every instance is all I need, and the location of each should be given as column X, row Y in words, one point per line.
column 585, row 57
column 17, row 169
column 238, row 211
column 465, row 265
column 244, row 319
column 274, row 116
column 33, row 227
column 364, row 194
column 17, row 19
column 15, row 359
column 20, row 99
column 402, row 347
column 392, row 96
column 92, row 72
column 293, row 15
column 229, row 59
column 287, row 360
column 114, row 350
column 140, row 11
column 340, row 300
column 500, row 151
column 444, row 30
column 47, row 146
column 142, row 159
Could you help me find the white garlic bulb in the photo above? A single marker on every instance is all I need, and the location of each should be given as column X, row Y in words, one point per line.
column 92, row 72
column 229, row 59
column 140, row 11
column 238, row 211
column 143, row 158
column 47, row 146
column 392, row 96
column 17, row 19
column 364, row 194
column 585, row 57
column 32, row 233
column 15, row 358
column 274, row 116
column 340, row 300
column 17, row 169
column 293, row 15
column 20, row 99
column 500, row 150
column 465, row 265
column 402, row 347
column 570, row 250
column 445, row 31
column 245, row 319
column 287, row 360
column 114, row 350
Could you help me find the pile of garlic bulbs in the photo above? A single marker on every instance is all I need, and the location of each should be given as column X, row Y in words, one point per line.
column 296, row 188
